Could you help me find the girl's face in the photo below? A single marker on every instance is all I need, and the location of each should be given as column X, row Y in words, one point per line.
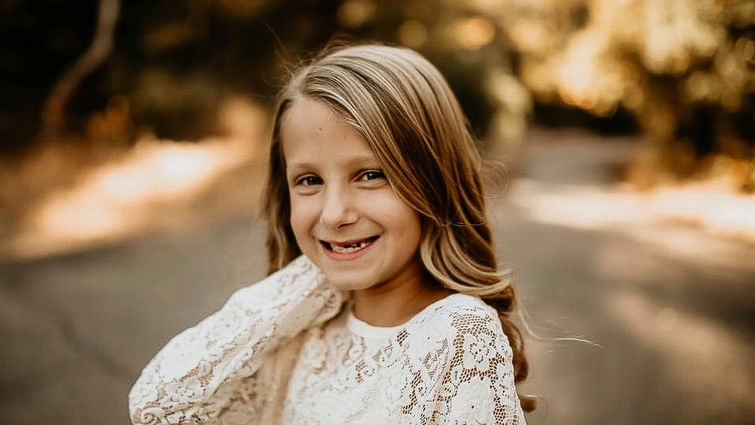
column 344, row 213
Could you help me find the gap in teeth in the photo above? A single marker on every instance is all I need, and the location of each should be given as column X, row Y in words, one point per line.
column 349, row 248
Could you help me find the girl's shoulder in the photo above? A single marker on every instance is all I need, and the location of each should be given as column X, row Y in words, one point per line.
column 460, row 317
column 460, row 310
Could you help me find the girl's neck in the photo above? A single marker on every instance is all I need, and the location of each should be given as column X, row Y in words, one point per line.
column 398, row 300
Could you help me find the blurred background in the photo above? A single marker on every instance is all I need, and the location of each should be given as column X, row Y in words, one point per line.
column 619, row 137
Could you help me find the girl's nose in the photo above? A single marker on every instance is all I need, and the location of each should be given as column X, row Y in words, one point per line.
column 337, row 210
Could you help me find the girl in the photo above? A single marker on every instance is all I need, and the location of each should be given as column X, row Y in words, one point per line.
column 383, row 304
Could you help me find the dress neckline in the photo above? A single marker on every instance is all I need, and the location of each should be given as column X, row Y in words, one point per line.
column 365, row 330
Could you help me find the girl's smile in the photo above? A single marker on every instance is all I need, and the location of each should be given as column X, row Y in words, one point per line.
column 344, row 213
column 348, row 250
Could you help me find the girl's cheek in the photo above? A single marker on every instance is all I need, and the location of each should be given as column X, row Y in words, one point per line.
column 303, row 211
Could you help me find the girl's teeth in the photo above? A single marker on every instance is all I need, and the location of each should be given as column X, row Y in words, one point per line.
column 349, row 248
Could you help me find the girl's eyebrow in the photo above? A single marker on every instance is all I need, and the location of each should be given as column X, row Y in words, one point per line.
column 295, row 166
column 353, row 162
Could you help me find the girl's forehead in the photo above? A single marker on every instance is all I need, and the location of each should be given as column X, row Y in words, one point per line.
column 312, row 132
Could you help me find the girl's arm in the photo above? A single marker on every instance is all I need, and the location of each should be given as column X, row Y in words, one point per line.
column 191, row 379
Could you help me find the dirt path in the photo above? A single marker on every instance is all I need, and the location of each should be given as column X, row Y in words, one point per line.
column 670, row 306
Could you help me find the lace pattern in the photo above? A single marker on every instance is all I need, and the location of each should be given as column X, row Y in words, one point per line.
column 450, row 364
column 195, row 378
column 285, row 351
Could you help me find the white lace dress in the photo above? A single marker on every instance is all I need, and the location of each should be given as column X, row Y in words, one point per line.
column 286, row 350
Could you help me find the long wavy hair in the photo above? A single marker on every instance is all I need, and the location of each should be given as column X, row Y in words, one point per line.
column 403, row 107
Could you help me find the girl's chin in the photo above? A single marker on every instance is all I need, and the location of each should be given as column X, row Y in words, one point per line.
column 344, row 283
column 350, row 286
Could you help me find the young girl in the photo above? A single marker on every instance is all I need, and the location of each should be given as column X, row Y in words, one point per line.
column 383, row 304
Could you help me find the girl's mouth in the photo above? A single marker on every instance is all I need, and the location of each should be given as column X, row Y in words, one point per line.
column 348, row 247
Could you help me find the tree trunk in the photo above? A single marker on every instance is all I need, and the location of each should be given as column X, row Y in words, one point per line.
column 53, row 111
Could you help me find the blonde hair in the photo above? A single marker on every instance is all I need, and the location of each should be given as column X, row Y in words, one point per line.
column 403, row 107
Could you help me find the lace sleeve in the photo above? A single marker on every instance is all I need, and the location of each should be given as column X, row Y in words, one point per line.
column 478, row 386
column 182, row 384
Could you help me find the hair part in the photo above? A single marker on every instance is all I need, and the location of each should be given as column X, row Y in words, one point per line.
column 405, row 110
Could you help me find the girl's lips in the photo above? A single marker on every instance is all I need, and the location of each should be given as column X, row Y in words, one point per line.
column 350, row 254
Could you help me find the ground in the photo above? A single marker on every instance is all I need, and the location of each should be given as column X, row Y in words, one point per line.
column 643, row 319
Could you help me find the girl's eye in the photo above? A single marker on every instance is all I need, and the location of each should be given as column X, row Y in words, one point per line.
column 372, row 175
column 309, row 181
